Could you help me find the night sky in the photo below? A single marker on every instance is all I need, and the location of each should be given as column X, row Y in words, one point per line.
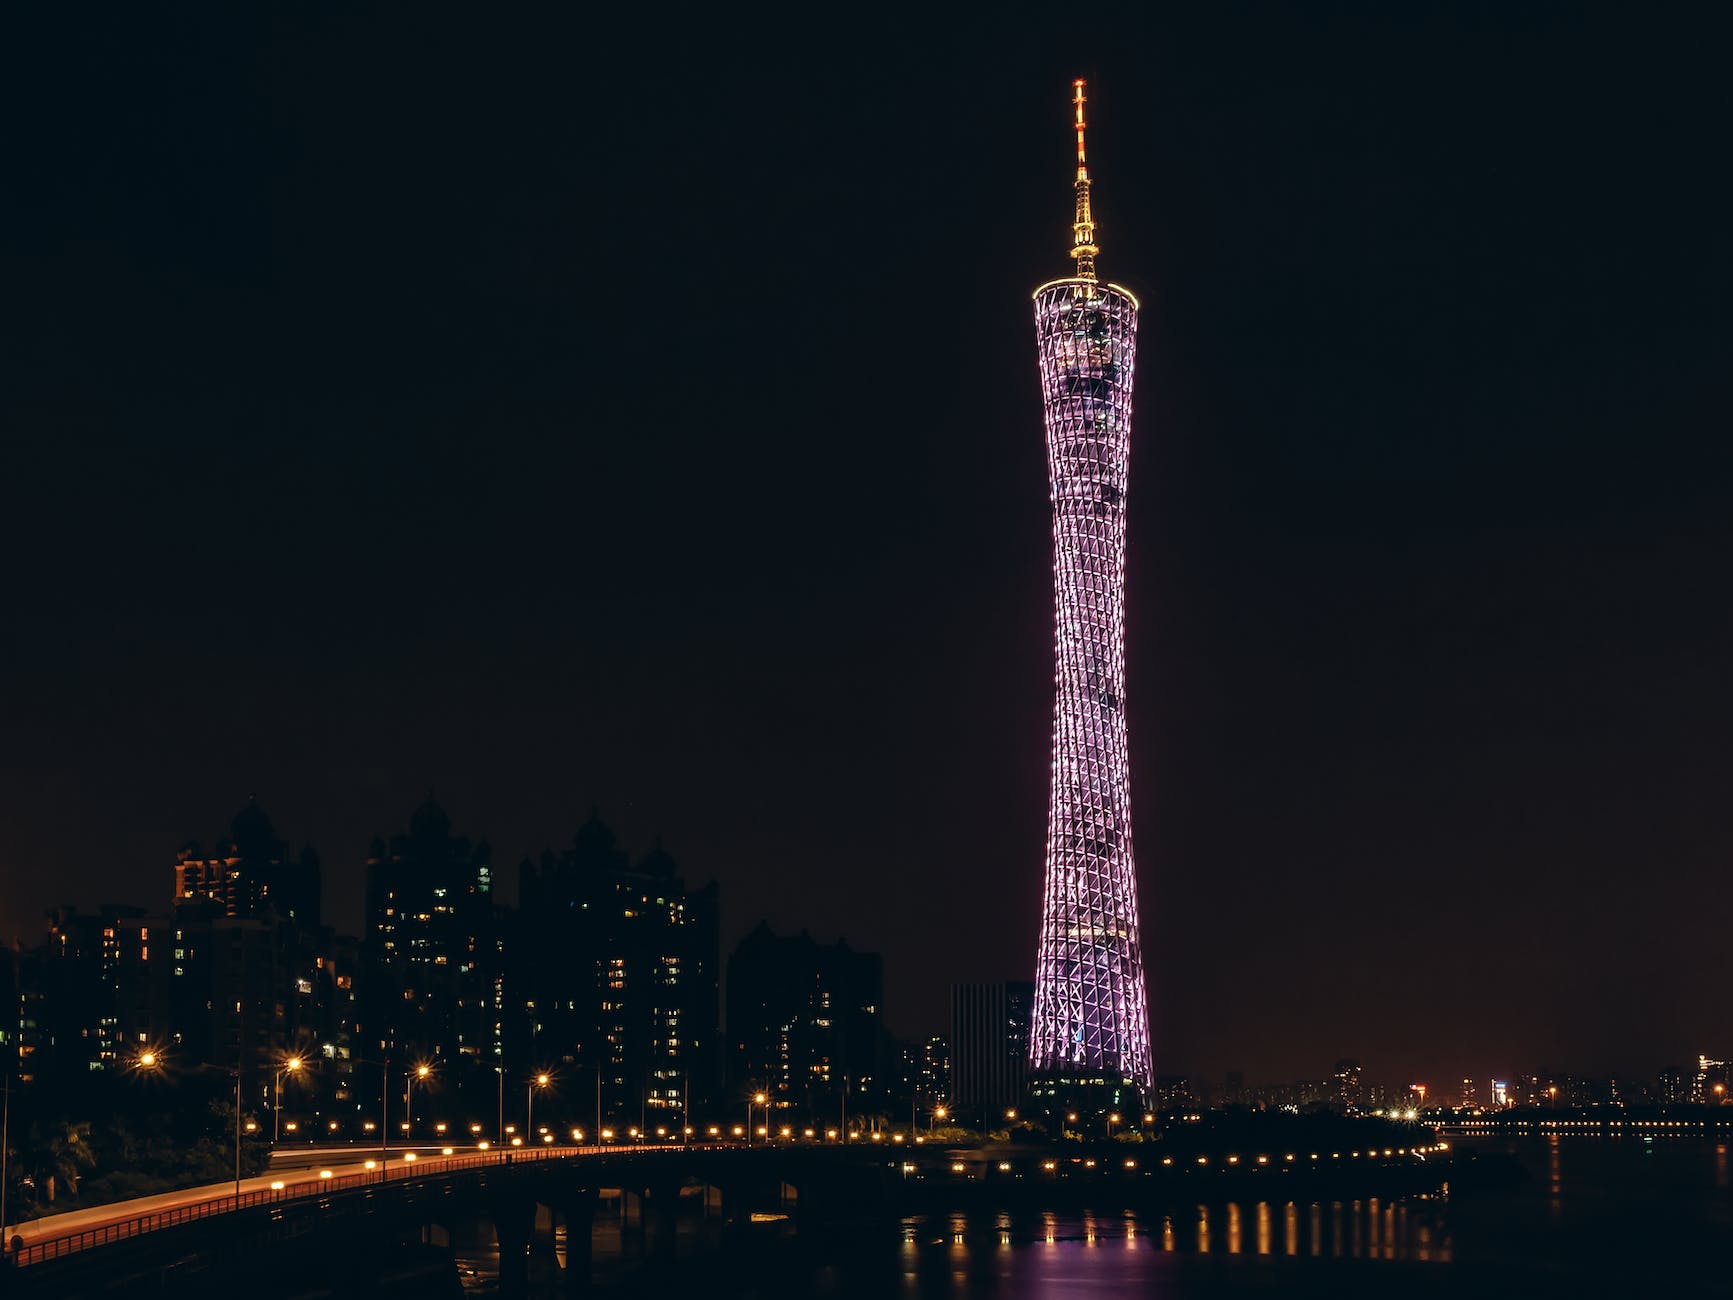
column 549, row 414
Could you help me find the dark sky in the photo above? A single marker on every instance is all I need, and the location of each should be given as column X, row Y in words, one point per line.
column 552, row 414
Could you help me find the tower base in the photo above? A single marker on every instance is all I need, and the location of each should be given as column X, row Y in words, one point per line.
column 1094, row 1100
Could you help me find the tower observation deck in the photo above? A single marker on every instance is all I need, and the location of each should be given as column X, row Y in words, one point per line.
column 1090, row 1026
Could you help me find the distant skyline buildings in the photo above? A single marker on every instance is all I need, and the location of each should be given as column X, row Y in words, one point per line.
column 93, row 982
column 636, row 973
column 251, row 872
column 614, row 974
column 432, row 946
column 805, row 1021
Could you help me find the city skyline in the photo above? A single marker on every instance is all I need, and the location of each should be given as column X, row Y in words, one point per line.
column 253, row 870
column 362, row 451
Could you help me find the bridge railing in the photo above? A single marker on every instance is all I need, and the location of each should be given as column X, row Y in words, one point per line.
column 36, row 1252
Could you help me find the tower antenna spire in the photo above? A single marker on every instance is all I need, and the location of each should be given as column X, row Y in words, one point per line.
column 1083, row 247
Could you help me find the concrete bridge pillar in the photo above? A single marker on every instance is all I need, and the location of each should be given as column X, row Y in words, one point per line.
column 438, row 1233
column 579, row 1210
column 631, row 1210
column 660, row 1206
column 514, row 1223
column 712, row 1201
column 543, row 1260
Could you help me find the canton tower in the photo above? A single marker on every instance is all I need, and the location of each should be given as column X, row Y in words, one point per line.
column 1091, row 1020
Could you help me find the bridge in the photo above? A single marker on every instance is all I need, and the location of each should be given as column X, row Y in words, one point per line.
column 254, row 1235
column 1682, row 1121
column 331, row 1230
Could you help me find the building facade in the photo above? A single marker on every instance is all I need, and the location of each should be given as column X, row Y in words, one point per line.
column 430, row 950
column 805, row 1023
column 251, row 873
column 616, row 975
column 240, row 955
column 990, row 1044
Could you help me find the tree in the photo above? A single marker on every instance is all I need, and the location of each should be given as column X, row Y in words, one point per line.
column 55, row 1157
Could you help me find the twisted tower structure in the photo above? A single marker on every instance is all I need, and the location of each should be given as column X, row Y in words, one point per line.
column 1091, row 1020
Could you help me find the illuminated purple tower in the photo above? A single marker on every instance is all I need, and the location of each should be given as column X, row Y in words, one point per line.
column 1091, row 1019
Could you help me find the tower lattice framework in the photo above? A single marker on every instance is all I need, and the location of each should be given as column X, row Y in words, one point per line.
column 1091, row 1019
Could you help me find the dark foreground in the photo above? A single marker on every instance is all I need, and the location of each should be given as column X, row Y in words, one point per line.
column 1536, row 1217
column 1581, row 1217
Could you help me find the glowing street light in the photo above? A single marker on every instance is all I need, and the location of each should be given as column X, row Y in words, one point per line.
column 421, row 1072
column 538, row 1081
column 290, row 1066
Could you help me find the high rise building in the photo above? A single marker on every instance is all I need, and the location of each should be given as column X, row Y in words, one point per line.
column 236, row 987
column 933, row 1065
column 615, row 971
column 921, row 1073
column 1091, row 1022
column 242, row 950
column 1709, row 1087
column 805, row 1022
column 79, row 979
column 1349, row 1089
column 11, row 1010
column 1674, row 1085
column 1173, row 1092
column 250, row 873
column 989, row 1044
column 430, row 948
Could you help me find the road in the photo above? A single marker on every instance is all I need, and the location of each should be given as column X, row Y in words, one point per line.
column 302, row 1172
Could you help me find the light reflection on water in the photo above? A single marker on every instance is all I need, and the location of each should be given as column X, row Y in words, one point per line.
column 1410, row 1230
column 1596, row 1216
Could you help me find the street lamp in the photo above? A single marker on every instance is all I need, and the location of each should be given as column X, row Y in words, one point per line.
column 234, row 1070
column 289, row 1067
column 421, row 1072
column 762, row 1100
column 150, row 1060
column 539, row 1081
column 384, row 1099
column 939, row 1113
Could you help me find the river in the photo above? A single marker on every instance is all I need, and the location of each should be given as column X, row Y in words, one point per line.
column 1591, row 1217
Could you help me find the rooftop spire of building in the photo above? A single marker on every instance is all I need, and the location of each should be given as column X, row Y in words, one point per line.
column 1083, row 247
